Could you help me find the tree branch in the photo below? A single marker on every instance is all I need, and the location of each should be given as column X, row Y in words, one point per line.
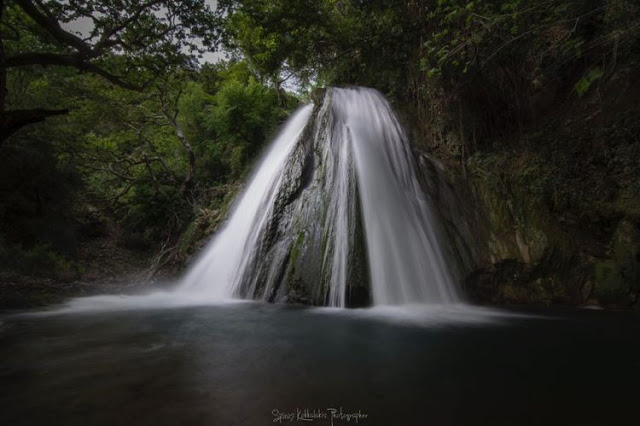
column 71, row 60
column 134, row 16
column 45, row 19
column 12, row 121
column 173, row 120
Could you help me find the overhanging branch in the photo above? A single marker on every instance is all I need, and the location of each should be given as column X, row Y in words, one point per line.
column 12, row 121
column 45, row 19
column 70, row 60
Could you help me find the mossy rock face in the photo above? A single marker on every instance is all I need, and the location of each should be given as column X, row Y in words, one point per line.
column 294, row 257
column 563, row 257
column 206, row 221
column 187, row 239
column 529, row 257
column 518, row 229
column 317, row 96
column 611, row 287
column 618, row 279
column 514, row 294
column 627, row 248
column 538, row 243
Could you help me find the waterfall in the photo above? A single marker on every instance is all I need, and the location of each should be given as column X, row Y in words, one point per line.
column 334, row 215
column 218, row 269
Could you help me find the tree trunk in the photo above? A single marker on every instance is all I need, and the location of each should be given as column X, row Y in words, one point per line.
column 172, row 116
column 191, row 158
column 3, row 69
column 12, row 121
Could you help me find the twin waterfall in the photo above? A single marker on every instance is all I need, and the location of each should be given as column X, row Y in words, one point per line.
column 334, row 215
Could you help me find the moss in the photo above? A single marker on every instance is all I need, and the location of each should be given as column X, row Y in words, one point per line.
column 538, row 242
column 295, row 250
column 610, row 287
column 187, row 238
column 628, row 204
column 618, row 277
column 514, row 294
column 39, row 261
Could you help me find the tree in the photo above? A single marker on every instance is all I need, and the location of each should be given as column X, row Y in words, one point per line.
column 278, row 38
column 326, row 41
column 128, row 42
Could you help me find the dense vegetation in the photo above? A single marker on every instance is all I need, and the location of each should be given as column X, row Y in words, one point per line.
column 144, row 142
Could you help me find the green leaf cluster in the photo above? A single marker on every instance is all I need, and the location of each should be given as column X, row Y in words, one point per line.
column 117, row 156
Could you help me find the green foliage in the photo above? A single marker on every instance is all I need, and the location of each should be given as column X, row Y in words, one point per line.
column 479, row 69
column 493, row 66
column 125, row 153
column 611, row 287
column 229, row 116
column 278, row 34
column 324, row 42
column 38, row 261
column 583, row 85
column 128, row 41
column 143, row 162
column 617, row 278
column 36, row 188
column 128, row 44
column 240, row 118
column 487, row 64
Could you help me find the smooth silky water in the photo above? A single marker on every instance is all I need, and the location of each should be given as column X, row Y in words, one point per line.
column 234, row 364
column 333, row 216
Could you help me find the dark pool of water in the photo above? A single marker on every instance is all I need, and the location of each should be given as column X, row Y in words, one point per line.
column 236, row 364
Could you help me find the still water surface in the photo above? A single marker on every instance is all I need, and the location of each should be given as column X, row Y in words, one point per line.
column 255, row 364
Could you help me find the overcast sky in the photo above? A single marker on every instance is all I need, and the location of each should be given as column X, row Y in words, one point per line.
column 83, row 27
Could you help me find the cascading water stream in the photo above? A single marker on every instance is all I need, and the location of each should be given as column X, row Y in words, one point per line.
column 334, row 215
column 219, row 267
column 405, row 261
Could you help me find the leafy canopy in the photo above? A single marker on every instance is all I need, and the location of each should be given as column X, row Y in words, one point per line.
column 127, row 42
